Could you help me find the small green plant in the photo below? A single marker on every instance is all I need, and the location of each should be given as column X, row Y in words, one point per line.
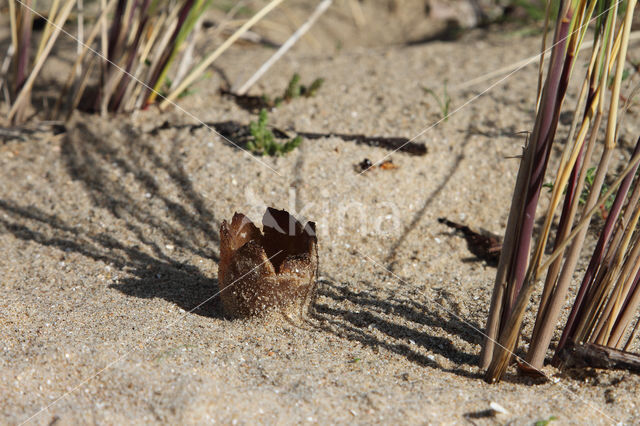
column 312, row 90
column 264, row 143
column 444, row 102
column 293, row 88
column 546, row 421
column 588, row 183
column 296, row 90
column 588, row 180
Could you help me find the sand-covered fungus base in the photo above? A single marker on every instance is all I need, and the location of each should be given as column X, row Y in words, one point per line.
column 262, row 272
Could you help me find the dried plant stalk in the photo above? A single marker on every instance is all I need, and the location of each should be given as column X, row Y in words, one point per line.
column 81, row 55
column 19, row 106
column 559, row 276
column 517, row 275
column 513, row 263
column 610, row 142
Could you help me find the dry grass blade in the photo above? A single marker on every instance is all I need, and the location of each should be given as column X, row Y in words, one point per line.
column 518, row 274
column 195, row 73
column 549, row 308
column 513, row 263
column 187, row 18
column 4, row 70
column 22, row 97
column 506, row 258
column 597, row 286
column 82, row 84
column 81, row 56
column 320, row 9
column 559, row 276
column 584, row 222
column 48, row 28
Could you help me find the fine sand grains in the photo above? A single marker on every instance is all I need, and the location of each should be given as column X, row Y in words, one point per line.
column 109, row 240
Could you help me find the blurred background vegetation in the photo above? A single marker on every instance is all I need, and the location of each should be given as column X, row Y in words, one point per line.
column 60, row 55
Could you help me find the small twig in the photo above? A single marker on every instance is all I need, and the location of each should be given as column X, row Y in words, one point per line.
column 104, row 44
column 596, row 356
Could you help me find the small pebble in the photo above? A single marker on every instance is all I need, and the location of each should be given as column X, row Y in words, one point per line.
column 498, row 408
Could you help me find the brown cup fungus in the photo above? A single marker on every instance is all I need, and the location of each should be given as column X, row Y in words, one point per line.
column 271, row 271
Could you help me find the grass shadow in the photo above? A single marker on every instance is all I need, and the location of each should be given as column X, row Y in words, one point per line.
column 159, row 228
column 148, row 275
column 393, row 324
column 405, row 327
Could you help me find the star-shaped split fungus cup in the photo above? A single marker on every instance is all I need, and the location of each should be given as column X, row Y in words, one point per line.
column 260, row 272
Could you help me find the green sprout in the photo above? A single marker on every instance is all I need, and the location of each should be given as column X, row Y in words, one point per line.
column 264, row 143
column 312, row 90
column 546, row 421
column 293, row 88
column 297, row 90
column 589, row 183
column 444, row 102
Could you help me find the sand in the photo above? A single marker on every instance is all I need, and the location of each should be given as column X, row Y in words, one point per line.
column 109, row 241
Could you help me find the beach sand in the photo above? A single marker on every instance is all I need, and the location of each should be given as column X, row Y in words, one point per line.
column 109, row 242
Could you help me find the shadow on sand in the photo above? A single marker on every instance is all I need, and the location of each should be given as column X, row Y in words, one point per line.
column 402, row 326
column 401, row 322
column 151, row 270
